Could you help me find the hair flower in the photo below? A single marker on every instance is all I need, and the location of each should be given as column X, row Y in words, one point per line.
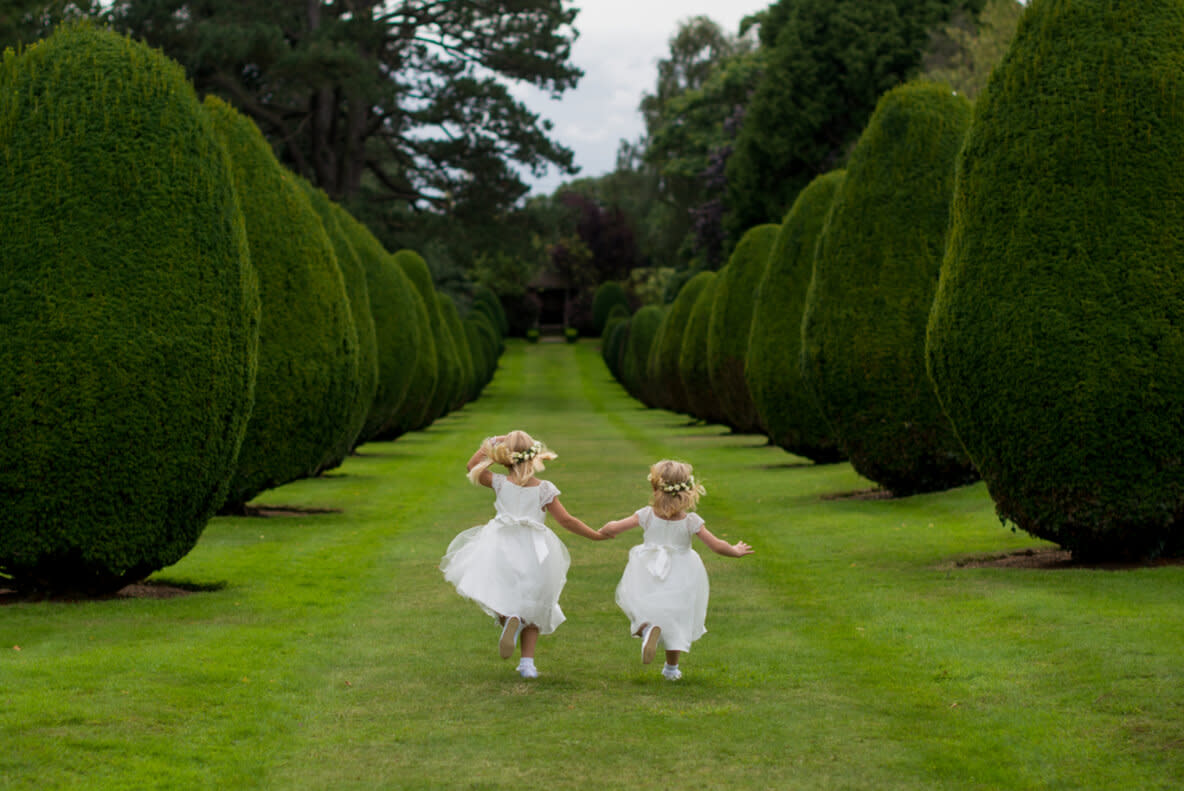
column 681, row 486
column 525, row 455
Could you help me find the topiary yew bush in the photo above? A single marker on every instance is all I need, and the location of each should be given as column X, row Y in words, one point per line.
column 665, row 356
column 129, row 312
column 448, row 381
column 612, row 345
column 307, row 381
column 692, row 358
column 875, row 270
column 1056, row 339
column 608, row 295
column 787, row 408
column 460, row 341
column 643, row 327
column 358, row 293
column 405, row 350
column 730, row 323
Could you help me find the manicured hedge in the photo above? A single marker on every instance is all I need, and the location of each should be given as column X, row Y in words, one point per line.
column 608, row 295
column 642, row 329
column 307, row 381
column 358, row 293
column 129, row 312
column 666, row 353
column 875, row 270
column 692, row 358
column 612, row 347
column 405, row 350
column 730, row 323
column 460, row 341
column 483, row 295
column 787, row 409
column 448, row 381
column 1056, row 339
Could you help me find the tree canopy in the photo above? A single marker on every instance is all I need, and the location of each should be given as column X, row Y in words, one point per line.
column 404, row 106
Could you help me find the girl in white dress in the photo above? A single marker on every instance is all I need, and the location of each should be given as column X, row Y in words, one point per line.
column 513, row 566
column 664, row 588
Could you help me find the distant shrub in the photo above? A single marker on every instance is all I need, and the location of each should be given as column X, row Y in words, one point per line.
column 608, row 295
column 448, row 382
column 129, row 311
column 532, row 335
column 643, row 328
column 571, row 334
column 692, row 357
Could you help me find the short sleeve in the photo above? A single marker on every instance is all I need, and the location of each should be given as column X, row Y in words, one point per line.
column 547, row 492
column 694, row 523
column 643, row 515
column 496, row 483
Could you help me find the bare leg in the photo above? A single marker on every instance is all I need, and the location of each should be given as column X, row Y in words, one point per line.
column 672, row 657
column 528, row 640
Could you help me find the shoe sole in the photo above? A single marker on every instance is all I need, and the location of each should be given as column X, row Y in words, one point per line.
column 651, row 645
column 505, row 646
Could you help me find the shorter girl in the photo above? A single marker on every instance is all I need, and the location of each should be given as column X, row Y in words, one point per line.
column 513, row 566
column 664, row 588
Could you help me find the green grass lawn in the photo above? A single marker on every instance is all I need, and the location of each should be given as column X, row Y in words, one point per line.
column 849, row 652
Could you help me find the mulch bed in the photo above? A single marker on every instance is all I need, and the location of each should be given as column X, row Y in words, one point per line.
column 138, row 590
column 1053, row 558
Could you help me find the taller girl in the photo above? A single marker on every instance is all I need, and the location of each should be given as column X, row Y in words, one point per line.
column 513, row 566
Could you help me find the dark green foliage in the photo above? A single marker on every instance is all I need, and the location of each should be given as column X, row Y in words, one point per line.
column 405, row 350
column 608, row 295
column 483, row 295
column 692, row 357
column 642, row 330
column 448, row 382
column 668, row 350
column 460, row 341
column 730, row 323
column 1056, row 340
column 825, row 69
column 483, row 311
column 483, row 341
column 875, row 270
column 612, row 345
column 356, row 289
column 129, row 312
column 787, row 409
column 307, row 381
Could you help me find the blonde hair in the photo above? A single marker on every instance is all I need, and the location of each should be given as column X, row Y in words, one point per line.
column 675, row 489
column 518, row 452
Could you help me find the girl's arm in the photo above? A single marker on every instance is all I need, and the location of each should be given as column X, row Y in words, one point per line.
column 721, row 547
column 556, row 509
column 611, row 529
column 486, row 477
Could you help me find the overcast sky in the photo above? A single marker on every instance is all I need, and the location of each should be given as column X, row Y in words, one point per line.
column 620, row 44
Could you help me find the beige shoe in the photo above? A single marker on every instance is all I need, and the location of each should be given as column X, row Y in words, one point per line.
column 505, row 646
column 649, row 644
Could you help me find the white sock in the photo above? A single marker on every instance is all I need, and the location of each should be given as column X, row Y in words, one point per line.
column 526, row 661
column 668, row 668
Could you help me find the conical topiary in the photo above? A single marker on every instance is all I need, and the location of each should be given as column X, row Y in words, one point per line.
column 405, row 350
column 354, row 275
column 1056, row 340
column 447, row 363
column 483, row 295
column 642, row 330
column 608, row 295
column 616, row 335
column 460, row 341
column 308, row 347
column 666, row 354
column 787, row 409
column 729, row 325
column 875, row 269
column 129, row 312
column 692, row 358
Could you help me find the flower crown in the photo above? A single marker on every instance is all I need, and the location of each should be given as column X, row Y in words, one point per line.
column 524, row 455
column 682, row 486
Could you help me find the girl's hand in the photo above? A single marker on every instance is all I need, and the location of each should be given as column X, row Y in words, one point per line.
column 741, row 549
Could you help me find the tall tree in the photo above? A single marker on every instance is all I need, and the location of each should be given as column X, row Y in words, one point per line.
column 401, row 105
column 828, row 62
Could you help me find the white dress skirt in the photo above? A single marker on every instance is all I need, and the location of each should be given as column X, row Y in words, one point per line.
column 665, row 583
column 513, row 564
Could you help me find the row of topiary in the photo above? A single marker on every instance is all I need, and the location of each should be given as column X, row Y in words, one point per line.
column 1000, row 295
column 186, row 323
